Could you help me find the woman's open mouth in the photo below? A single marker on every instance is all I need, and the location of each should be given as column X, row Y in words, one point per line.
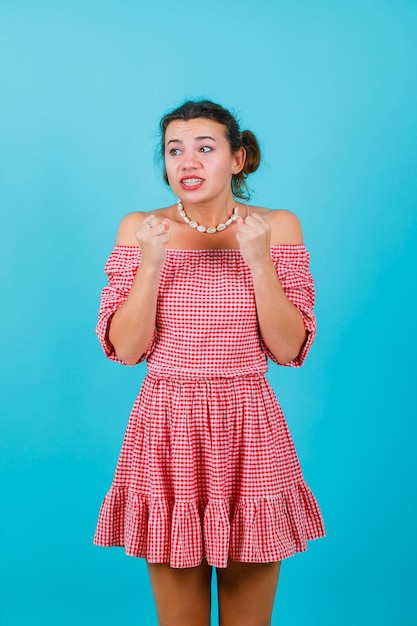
column 191, row 183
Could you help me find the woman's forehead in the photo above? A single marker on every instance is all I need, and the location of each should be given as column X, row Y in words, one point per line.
column 193, row 129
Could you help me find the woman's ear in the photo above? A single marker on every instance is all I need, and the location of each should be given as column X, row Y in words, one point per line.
column 240, row 158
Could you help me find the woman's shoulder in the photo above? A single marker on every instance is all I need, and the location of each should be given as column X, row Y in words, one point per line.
column 285, row 225
column 126, row 234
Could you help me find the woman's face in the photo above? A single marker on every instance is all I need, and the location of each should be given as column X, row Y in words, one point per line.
column 198, row 160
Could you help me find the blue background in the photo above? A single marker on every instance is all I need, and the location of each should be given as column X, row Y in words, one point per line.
column 330, row 89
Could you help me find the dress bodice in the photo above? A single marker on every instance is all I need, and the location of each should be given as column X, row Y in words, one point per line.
column 206, row 322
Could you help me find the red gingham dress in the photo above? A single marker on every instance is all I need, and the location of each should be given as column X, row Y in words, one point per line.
column 208, row 469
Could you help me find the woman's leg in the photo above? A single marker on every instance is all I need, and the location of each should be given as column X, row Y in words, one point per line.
column 246, row 593
column 182, row 596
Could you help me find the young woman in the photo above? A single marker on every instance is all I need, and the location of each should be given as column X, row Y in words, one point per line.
column 206, row 290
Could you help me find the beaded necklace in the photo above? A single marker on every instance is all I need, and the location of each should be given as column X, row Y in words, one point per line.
column 211, row 229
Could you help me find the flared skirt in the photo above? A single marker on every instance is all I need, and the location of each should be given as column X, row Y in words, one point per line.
column 208, row 470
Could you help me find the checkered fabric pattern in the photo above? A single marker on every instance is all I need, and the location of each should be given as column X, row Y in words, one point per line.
column 208, row 469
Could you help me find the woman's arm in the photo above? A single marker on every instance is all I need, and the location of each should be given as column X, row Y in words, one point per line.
column 280, row 322
column 133, row 324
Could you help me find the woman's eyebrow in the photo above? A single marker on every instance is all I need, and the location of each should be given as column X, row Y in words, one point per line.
column 200, row 138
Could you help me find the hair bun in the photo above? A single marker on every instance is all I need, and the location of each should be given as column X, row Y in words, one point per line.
column 253, row 152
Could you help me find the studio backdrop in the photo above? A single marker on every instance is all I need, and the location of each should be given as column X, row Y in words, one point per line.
column 330, row 90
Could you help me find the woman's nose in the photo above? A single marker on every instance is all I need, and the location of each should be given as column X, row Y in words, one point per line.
column 190, row 160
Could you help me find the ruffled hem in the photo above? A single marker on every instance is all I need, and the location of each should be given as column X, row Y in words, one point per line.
column 184, row 533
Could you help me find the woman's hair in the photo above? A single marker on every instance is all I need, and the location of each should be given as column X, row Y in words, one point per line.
column 193, row 109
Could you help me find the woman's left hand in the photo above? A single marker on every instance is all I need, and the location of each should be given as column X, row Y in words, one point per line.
column 254, row 238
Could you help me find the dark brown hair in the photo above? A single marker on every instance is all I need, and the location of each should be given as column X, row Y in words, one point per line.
column 193, row 109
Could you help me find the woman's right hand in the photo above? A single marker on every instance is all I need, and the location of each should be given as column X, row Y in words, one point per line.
column 153, row 237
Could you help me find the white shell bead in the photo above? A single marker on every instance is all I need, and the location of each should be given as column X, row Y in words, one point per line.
column 193, row 224
column 229, row 221
column 211, row 230
column 201, row 229
column 221, row 227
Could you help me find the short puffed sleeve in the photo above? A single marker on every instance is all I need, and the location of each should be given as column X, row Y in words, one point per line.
column 121, row 268
column 292, row 262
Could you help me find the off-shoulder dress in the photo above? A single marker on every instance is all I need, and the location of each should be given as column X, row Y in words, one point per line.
column 208, row 469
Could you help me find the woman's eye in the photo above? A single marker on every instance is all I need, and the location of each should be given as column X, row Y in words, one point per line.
column 174, row 152
column 205, row 149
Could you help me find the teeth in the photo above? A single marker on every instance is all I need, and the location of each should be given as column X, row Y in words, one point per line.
column 191, row 181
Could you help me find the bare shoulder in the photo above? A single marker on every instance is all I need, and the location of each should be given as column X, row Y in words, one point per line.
column 126, row 233
column 285, row 226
